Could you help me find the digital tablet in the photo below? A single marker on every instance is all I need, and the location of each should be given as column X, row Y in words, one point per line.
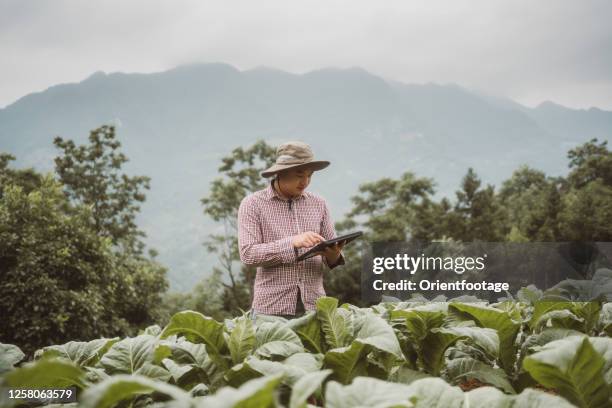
column 322, row 245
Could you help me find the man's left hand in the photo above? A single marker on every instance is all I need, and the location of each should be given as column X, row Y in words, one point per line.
column 332, row 253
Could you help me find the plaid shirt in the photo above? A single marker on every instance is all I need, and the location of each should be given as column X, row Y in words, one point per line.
column 266, row 224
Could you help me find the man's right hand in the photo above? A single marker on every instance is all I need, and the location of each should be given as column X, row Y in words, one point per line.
column 306, row 240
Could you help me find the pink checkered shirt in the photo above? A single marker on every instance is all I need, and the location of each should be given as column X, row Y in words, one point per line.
column 266, row 224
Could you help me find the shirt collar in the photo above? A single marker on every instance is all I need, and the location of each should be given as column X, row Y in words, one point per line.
column 271, row 193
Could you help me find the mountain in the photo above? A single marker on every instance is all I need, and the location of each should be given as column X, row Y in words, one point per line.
column 176, row 125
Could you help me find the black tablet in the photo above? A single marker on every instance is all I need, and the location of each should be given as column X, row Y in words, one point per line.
column 322, row 245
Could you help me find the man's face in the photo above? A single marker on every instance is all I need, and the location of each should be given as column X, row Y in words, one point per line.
column 294, row 181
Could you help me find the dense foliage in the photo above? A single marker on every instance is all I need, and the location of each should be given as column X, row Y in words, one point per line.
column 539, row 349
column 72, row 270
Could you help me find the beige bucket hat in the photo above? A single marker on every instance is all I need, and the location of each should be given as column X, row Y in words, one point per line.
column 294, row 154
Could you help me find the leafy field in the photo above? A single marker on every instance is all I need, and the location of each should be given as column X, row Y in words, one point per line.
column 537, row 350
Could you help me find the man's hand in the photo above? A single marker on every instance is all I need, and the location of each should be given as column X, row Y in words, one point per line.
column 306, row 240
column 332, row 253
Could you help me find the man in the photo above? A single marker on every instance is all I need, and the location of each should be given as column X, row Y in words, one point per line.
column 276, row 225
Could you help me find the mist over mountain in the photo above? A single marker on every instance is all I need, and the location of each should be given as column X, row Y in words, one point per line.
column 176, row 125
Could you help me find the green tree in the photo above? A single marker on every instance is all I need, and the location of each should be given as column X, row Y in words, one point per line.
column 92, row 176
column 532, row 203
column 586, row 213
column 590, row 162
column 240, row 176
column 67, row 271
column 386, row 210
column 477, row 214
column 28, row 179
column 57, row 273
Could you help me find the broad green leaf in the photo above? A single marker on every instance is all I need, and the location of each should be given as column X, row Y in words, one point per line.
column 603, row 346
column 535, row 341
column 434, row 347
column 306, row 361
column 485, row 338
column 46, row 374
column 306, row 386
column 546, row 336
column 308, row 328
column 275, row 350
column 347, row 362
column 377, row 333
column 333, row 323
column 367, row 392
column 121, row 387
column 489, row 397
column 544, row 306
column 154, row 372
column 195, row 355
column 489, row 317
column 574, row 368
column 95, row 374
column 198, row 328
column 290, row 373
column 468, row 368
column 588, row 312
column 257, row 393
column 241, row 373
column 176, row 370
column 438, row 340
column 241, row 340
column 531, row 398
column 130, row 354
column 406, row 375
column 419, row 322
column 563, row 319
column 9, row 356
column 275, row 331
column 186, row 352
column 81, row 353
column 435, row 393
column 275, row 340
column 292, row 368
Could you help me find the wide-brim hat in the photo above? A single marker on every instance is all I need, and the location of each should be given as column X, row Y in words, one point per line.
column 294, row 154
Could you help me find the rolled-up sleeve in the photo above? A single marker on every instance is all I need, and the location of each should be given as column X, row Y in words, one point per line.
column 253, row 251
column 329, row 232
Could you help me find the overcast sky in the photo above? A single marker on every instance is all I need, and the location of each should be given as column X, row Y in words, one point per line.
column 527, row 50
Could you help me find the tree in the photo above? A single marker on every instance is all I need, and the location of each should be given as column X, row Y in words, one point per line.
column 70, row 261
column 477, row 214
column 92, row 176
column 28, row 179
column 532, row 204
column 240, row 176
column 55, row 271
column 590, row 162
column 386, row 210
column 586, row 213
